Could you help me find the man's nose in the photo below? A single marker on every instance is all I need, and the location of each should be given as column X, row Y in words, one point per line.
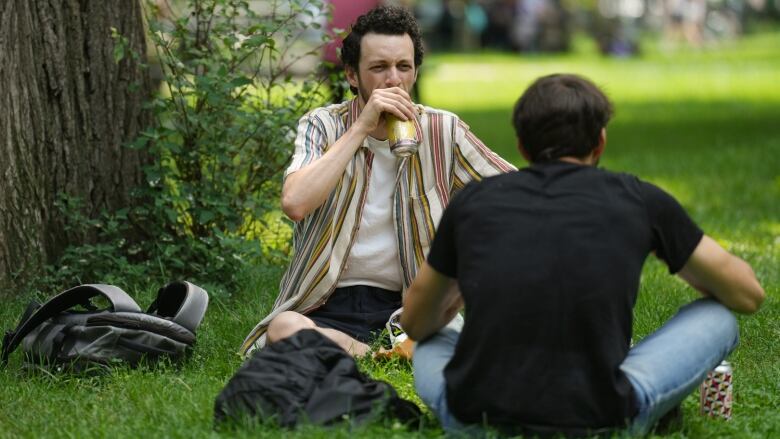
column 393, row 77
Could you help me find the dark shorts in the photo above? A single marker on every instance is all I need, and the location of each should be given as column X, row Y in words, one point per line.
column 358, row 311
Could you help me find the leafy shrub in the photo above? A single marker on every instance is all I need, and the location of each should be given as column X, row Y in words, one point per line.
column 225, row 124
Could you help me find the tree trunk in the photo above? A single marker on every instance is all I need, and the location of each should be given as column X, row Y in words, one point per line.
column 66, row 110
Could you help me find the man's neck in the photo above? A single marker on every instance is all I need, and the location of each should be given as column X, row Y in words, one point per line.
column 575, row 160
column 588, row 160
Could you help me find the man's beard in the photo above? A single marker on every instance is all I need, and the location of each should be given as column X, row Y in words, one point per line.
column 363, row 92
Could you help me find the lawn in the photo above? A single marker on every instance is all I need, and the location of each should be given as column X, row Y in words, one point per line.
column 704, row 125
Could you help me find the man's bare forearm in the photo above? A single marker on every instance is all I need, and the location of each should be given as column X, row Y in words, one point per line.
column 717, row 273
column 454, row 308
column 430, row 303
column 306, row 189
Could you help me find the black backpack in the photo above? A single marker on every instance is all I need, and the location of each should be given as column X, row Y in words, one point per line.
column 56, row 336
column 307, row 378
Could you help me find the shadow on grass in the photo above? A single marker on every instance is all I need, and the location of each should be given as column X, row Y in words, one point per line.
column 721, row 158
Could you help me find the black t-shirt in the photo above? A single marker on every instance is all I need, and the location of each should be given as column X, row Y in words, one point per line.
column 548, row 260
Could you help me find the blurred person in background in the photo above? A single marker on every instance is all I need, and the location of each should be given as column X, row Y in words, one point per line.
column 540, row 26
column 615, row 26
column 500, row 18
column 685, row 21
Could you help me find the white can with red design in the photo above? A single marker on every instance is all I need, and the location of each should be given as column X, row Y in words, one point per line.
column 717, row 393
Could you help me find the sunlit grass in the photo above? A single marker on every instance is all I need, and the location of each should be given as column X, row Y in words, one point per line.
column 495, row 80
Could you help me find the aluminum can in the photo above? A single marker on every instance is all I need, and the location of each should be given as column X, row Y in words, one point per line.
column 394, row 329
column 402, row 136
column 717, row 393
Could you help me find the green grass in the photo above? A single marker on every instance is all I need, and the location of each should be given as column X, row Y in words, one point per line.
column 703, row 125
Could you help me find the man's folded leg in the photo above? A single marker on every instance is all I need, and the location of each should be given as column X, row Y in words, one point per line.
column 352, row 317
column 670, row 363
column 430, row 358
column 290, row 322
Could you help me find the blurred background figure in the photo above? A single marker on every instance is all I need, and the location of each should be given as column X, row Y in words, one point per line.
column 685, row 21
column 617, row 26
column 500, row 20
column 451, row 25
column 727, row 19
column 510, row 25
column 540, row 26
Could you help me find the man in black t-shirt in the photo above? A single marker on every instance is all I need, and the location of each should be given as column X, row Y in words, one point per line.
column 547, row 261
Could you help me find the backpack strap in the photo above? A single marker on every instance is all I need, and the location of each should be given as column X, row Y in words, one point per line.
column 81, row 294
column 182, row 302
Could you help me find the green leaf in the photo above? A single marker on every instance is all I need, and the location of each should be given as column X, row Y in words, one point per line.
column 119, row 51
column 259, row 40
column 205, row 216
column 240, row 81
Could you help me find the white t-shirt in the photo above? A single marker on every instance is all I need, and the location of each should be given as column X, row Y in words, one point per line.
column 373, row 259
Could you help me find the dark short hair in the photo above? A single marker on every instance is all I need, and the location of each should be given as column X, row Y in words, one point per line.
column 385, row 20
column 560, row 115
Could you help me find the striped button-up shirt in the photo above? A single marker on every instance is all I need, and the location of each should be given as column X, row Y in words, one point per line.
column 449, row 156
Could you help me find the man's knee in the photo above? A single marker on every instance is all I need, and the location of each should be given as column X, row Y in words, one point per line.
column 726, row 320
column 433, row 354
column 713, row 311
column 708, row 321
column 286, row 324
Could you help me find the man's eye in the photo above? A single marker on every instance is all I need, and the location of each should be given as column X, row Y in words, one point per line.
column 404, row 68
column 376, row 68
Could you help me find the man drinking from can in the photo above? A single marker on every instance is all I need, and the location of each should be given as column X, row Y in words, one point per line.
column 364, row 218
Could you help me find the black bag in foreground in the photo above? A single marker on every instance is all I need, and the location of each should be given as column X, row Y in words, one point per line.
column 308, row 378
column 55, row 335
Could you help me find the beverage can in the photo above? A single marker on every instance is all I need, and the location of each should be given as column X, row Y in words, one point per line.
column 402, row 136
column 394, row 329
column 716, row 393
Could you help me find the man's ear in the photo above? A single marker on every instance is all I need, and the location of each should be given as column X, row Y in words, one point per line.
column 352, row 76
column 602, row 144
column 522, row 150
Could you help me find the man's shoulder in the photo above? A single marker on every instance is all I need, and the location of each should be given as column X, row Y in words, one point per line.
column 501, row 179
column 650, row 193
column 619, row 176
column 489, row 184
column 431, row 111
column 560, row 171
column 331, row 111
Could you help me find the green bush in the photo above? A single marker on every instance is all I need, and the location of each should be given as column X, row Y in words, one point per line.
column 225, row 123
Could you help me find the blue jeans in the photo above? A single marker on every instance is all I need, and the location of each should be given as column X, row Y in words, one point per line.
column 663, row 368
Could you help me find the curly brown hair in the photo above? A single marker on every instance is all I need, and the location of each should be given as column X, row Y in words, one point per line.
column 385, row 20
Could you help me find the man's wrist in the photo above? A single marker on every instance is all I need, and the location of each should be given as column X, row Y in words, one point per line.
column 358, row 132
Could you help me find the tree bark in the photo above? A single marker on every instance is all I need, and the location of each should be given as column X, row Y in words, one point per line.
column 66, row 111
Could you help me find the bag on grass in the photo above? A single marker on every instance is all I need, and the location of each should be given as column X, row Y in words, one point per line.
column 56, row 335
column 307, row 378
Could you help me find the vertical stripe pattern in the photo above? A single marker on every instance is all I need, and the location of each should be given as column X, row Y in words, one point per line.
column 449, row 157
